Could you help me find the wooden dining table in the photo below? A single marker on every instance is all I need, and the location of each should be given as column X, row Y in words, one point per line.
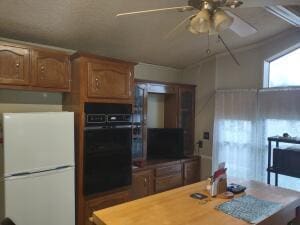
column 176, row 207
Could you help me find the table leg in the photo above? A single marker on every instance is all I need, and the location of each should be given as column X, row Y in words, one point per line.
column 297, row 220
column 269, row 162
column 276, row 179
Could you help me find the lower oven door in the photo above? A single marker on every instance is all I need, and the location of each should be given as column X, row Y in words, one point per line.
column 107, row 159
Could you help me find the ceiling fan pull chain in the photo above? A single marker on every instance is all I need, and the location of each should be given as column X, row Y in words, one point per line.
column 208, row 45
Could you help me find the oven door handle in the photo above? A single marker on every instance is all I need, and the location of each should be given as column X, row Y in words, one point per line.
column 108, row 127
column 122, row 126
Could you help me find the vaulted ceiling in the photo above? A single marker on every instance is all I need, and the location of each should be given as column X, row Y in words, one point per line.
column 91, row 25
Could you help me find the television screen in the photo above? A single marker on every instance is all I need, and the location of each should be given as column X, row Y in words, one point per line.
column 165, row 143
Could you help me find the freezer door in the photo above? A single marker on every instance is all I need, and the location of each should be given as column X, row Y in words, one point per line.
column 46, row 198
column 37, row 141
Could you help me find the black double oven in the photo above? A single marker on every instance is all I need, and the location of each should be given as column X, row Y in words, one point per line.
column 107, row 147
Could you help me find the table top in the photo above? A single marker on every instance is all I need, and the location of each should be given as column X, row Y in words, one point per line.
column 176, row 207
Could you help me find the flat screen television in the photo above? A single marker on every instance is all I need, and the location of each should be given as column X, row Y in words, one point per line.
column 165, row 143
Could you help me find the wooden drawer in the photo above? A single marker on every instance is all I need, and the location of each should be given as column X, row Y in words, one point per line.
column 168, row 170
column 167, row 183
column 105, row 202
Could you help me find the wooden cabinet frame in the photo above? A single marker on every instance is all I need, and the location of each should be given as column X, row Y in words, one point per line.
column 173, row 93
column 74, row 101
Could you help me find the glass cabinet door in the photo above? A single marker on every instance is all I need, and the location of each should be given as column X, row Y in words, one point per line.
column 139, row 136
column 186, row 117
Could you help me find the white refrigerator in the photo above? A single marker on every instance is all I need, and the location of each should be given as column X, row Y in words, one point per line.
column 37, row 168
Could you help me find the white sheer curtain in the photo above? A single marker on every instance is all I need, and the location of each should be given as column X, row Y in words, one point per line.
column 279, row 112
column 235, row 132
column 244, row 119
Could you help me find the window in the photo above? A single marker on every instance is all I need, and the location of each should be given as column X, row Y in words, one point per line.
column 283, row 71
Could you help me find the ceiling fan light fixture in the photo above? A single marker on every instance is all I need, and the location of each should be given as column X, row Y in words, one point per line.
column 222, row 20
column 201, row 22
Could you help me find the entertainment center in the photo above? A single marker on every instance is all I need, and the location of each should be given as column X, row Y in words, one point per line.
column 163, row 154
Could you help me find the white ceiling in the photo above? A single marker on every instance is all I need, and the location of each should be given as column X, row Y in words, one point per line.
column 91, row 25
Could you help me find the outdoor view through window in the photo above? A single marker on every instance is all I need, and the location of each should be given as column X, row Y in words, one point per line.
column 285, row 71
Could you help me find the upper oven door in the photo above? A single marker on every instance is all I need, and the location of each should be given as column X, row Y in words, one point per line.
column 107, row 158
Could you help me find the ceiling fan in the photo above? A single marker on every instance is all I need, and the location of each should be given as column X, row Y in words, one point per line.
column 213, row 17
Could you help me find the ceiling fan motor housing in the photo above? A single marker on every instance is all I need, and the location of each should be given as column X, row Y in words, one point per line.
column 214, row 4
column 196, row 3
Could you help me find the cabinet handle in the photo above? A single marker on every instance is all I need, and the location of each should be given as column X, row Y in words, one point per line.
column 17, row 69
column 42, row 69
column 97, row 83
column 145, row 181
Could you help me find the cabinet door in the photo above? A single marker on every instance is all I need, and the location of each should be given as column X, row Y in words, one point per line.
column 142, row 184
column 109, row 80
column 191, row 172
column 139, row 141
column 104, row 202
column 51, row 70
column 14, row 65
column 187, row 117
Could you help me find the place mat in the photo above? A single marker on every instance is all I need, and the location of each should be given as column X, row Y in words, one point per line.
column 249, row 208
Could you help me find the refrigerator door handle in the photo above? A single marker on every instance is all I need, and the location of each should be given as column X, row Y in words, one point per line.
column 21, row 174
column 39, row 173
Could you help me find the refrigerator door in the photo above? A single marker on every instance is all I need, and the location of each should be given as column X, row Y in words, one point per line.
column 43, row 198
column 37, row 141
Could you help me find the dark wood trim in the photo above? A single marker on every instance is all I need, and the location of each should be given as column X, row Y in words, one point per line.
column 31, row 88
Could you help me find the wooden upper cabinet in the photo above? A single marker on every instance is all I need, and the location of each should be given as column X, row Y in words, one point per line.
column 110, row 80
column 51, row 70
column 14, row 65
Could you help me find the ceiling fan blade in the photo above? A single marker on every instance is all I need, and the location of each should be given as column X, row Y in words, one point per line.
column 180, row 9
column 241, row 27
column 177, row 27
column 264, row 3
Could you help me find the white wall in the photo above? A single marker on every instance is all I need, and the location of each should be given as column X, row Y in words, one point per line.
column 157, row 73
column 27, row 101
column 156, row 111
column 250, row 73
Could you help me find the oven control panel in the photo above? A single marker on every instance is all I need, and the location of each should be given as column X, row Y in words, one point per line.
column 96, row 118
column 121, row 118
